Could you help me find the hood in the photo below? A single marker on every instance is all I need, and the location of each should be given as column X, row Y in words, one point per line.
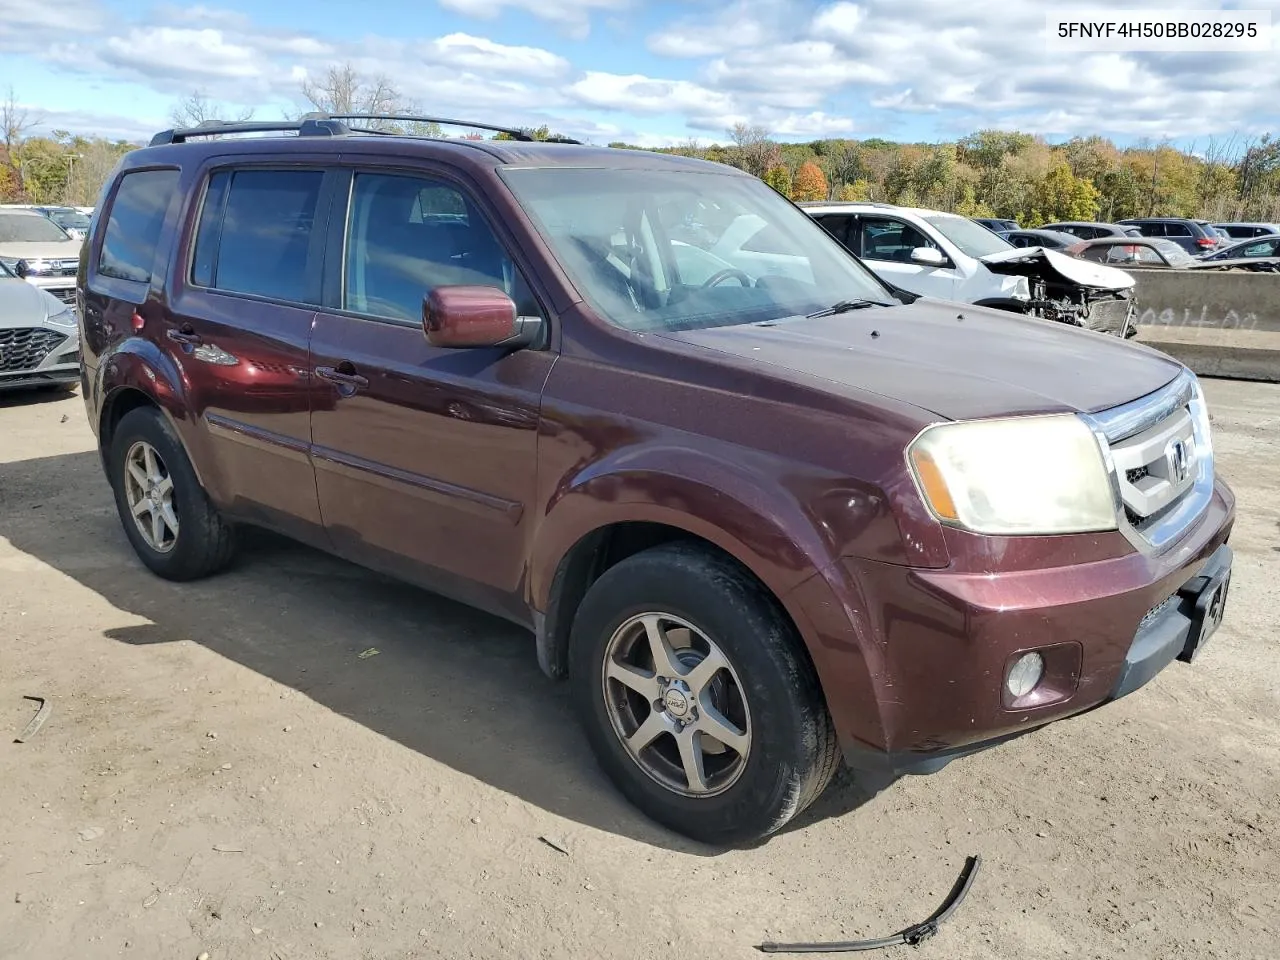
column 1051, row 265
column 47, row 250
column 25, row 305
column 991, row 363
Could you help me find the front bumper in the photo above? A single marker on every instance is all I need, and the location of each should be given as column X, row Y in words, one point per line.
column 920, row 680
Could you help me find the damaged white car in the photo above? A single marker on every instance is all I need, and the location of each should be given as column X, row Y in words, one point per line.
column 949, row 257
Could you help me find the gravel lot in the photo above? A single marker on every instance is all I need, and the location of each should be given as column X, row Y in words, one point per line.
column 223, row 772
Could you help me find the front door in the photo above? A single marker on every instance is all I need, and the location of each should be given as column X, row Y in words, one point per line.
column 885, row 243
column 425, row 457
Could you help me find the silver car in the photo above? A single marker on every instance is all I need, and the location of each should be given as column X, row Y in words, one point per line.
column 39, row 338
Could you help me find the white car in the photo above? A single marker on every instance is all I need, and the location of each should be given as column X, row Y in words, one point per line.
column 950, row 257
column 39, row 338
column 39, row 251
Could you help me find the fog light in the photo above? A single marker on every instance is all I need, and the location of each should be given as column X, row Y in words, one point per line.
column 1026, row 672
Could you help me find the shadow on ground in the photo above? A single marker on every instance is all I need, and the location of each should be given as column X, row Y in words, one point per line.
column 450, row 682
column 29, row 396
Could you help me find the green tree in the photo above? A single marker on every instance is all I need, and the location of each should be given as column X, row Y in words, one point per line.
column 779, row 177
column 858, row 191
column 1061, row 195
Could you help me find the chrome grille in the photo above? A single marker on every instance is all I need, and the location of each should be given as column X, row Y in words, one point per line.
column 26, row 348
column 1160, row 457
column 66, row 294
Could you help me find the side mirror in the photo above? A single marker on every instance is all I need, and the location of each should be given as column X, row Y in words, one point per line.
column 928, row 257
column 473, row 316
column 21, row 269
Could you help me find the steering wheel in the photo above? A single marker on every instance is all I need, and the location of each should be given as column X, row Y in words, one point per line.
column 726, row 274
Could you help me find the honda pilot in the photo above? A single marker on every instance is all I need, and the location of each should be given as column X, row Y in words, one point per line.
column 763, row 513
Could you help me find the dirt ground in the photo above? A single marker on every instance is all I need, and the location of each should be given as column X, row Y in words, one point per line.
column 223, row 773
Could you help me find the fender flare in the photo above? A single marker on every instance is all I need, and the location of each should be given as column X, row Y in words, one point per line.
column 761, row 526
column 140, row 366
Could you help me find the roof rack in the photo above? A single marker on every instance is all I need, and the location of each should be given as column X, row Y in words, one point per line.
column 306, row 127
column 513, row 132
column 331, row 125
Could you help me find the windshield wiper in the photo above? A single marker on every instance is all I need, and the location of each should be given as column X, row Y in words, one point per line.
column 844, row 306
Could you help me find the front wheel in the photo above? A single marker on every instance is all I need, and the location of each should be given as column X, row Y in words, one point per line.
column 697, row 696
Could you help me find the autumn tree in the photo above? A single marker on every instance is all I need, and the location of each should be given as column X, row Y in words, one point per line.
column 810, row 183
column 779, row 177
column 858, row 191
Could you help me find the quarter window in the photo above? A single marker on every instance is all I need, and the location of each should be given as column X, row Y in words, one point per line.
column 255, row 234
column 407, row 235
column 134, row 224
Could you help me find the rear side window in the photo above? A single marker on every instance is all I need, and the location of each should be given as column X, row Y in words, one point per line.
column 255, row 234
column 1177, row 230
column 134, row 224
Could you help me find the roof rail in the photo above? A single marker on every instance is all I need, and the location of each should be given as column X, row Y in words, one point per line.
column 513, row 132
column 309, row 126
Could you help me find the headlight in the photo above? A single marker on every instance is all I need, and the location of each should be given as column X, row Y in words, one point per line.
column 1028, row 475
column 62, row 318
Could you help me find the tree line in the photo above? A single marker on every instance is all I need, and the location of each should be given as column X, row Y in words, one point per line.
column 997, row 173
column 990, row 173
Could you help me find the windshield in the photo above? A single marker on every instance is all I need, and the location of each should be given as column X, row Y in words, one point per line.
column 6, row 273
column 29, row 228
column 972, row 238
column 676, row 250
column 69, row 219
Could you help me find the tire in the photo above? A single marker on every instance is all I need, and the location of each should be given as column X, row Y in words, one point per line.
column 768, row 682
column 203, row 542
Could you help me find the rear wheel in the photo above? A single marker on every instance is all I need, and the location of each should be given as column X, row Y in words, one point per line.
column 697, row 696
column 167, row 516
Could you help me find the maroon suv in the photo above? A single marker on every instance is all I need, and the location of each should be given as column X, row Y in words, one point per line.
column 761, row 510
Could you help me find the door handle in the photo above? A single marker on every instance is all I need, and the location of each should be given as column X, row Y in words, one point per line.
column 347, row 379
column 185, row 336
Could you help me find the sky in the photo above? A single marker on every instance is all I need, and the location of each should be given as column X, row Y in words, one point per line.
column 648, row 73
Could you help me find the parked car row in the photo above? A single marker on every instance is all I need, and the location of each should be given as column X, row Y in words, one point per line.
column 761, row 504
column 1197, row 237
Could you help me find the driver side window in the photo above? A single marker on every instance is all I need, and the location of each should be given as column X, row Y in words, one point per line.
column 884, row 238
column 408, row 235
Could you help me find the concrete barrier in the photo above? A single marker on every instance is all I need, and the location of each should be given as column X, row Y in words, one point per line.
column 1221, row 324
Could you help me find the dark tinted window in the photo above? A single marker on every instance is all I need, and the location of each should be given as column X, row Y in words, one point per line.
column 257, row 238
column 210, row 230
column 406, row 236
column 1177, row 230
column 837, row 226
column 134, row 224
column 886, row 239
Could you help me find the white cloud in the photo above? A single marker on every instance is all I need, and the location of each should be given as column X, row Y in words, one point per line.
column 799, row 67
column 574, row 16
column 477, row 53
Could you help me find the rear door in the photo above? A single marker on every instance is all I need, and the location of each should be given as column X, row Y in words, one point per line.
column 886, row 243
column 425, row 457
column 241, row 310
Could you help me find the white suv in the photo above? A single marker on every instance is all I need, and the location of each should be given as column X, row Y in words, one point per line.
column 950, row 257
column 39, row 251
